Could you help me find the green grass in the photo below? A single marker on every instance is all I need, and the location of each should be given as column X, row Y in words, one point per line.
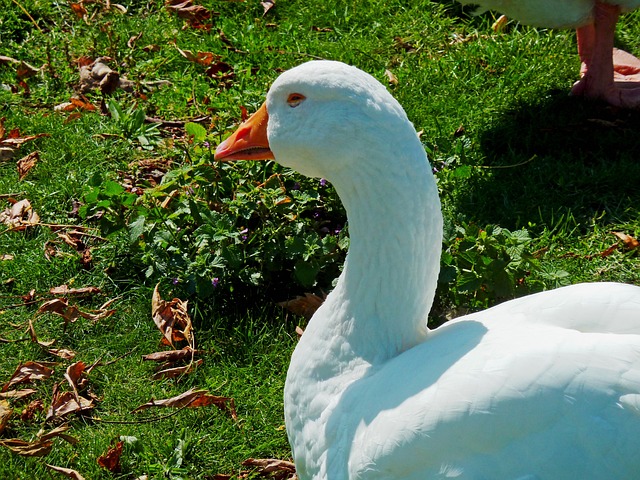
column 511, row 147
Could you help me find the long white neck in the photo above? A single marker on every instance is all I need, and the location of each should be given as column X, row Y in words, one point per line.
column 384, row 294
column 379, row 306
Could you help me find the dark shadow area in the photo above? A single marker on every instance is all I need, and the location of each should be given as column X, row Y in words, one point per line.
column 554, row 156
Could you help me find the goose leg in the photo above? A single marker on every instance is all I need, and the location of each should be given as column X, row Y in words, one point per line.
column 608, row 73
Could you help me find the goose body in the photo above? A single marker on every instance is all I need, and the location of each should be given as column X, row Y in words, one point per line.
column 607, row 73
column 551, row 13
column 542, row 387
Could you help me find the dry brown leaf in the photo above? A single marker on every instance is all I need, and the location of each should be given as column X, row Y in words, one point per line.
column 176, row 371
column 171, row 318
column 27, row 163
column 111, row 459
column 65, row 290
column 266, row 468
column 629, row 242
column 27, row 372
column 393, row 80
column 98, row 75
column 171, row 355
column 29, row 297
column 60, row 307
column 63, row 353
column 67, row 472
column 304, row 305
column 202, row 58
column 608, row 251
column 133, row 39
column 50, row 250
column 39, row 448
column 73, row 374
column 272, row 467
column 20, row 216
column 6, row 256
column 5, row 414
column 30, row 410
column 34, row 337
column 195, row 15
column 500, row 23
column 193, row 398
column 17, row 394
column 70, row 313
column 15, row 140
column 267, row 5
column 66, row 402
column 78, row 9
column 59, row 432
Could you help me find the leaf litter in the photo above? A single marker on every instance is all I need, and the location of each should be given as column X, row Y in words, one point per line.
column 193, row 398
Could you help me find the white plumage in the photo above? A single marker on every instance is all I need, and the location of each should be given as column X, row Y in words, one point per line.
column 542, row 387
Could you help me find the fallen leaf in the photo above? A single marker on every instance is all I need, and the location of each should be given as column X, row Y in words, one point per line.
column 608, row 251
column 171, row 355
column 66, row 402
column 111, row 459
column 75, row 103
column 67, row 472
column 133, row 39
column 20, row 216
column 17, row 394
column 29, row 297
column 5, row 414
column 193, row 399
column 272, row 467
column 98, row 75
column 65, row 290
column 34, row 338
column 73, row 374
column 393, row 80
column 195, row 15
column 500, row 23
column 202, row 58
column 267, row 5
column 27, row 163
column 171, row 318
column 59, row 431
column 34, row 449
column 304, row 305
column 10, row 143
column 264, row 468
column 63, row 353
column 6, row 256
column 27, row 372
column 70, row 313
column 30, row 410
column 629, row 242
column 78, row 9
column 176, row 371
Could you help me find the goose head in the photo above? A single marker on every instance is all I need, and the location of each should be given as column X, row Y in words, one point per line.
column 324, row 119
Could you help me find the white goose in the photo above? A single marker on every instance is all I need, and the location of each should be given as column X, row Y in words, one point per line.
column 608, row 74
column 542, row 387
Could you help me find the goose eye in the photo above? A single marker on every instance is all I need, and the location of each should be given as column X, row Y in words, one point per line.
column 295, row 99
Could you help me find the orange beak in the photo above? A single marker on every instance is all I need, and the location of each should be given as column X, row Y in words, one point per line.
column 249, row 141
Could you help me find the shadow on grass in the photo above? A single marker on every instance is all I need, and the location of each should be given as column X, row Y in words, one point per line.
column 556, row 156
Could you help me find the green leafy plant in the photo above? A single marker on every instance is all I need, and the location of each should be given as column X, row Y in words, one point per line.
column 482, row 266
column 133, row 125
